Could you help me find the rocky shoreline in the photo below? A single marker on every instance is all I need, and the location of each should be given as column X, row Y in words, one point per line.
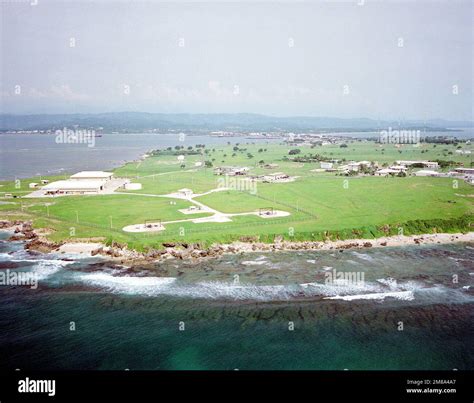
column 36, row 241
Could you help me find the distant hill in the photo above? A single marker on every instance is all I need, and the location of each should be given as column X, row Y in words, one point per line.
column 133, row 121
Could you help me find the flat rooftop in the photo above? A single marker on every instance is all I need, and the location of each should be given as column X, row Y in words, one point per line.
column 91, row 174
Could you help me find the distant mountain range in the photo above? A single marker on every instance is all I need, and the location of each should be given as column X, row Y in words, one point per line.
column 133, row 121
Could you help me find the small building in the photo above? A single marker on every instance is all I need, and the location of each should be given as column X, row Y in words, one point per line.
column 467, row 171
column 44, row 181
column 426, row 172
column 326, row 165
column 355, row 166
column 133, row 186
column 464, row 152
column 399, row 168
column 93, row 175
column 8, row 196
column 185, row 192
column 275, row 177
column 386, row 172
column 33, row 185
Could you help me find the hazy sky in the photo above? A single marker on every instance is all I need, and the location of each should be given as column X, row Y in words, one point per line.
column 381, row 59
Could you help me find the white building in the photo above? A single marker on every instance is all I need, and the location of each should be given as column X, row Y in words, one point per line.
column 231, row 171
column 71, row 186
column 426, row 164
column 386, row 172
column 326, row 165
column 84, row 182
column 133, row 186
column 464, row 152
column 399, row 168
column 93, row 175
column 277, row 176
column 426, row 172
column 467, row 171
column 355, row 166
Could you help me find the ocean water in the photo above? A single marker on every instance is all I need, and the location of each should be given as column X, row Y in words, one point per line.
column 27, row 155
column 253, row 311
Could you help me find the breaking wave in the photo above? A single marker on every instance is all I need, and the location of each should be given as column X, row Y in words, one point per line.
column 171, row 286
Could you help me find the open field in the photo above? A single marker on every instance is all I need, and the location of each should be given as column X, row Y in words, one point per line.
column 320, row 205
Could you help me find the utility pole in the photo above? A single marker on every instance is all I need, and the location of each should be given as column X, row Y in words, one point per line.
column 111, row 222
column 77, row 216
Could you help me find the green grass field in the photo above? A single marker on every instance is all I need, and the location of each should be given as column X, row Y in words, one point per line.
column 320, row 204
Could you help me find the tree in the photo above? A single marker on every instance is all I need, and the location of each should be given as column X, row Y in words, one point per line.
column 208, row 164
column 294, row 151
column 343, row 145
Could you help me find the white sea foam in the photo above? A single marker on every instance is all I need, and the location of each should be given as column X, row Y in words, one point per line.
column 401, row 295
column 169, row 286
column 253, row 262
column 45, row 268
column 389, row 282
column 127, row 284
column 338, row 288
column 222, row 290
column 363, row 256
column 326, row 268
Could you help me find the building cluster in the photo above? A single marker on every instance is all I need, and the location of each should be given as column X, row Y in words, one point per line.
column 231, row 171
column 427, row 168
column 403, row 166
column 244, row 171
column 311, row 139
